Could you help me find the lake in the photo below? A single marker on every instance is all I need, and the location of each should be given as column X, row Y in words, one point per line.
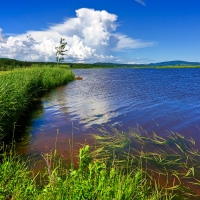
column 156, row 100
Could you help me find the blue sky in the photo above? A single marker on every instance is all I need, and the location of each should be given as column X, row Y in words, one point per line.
column 128, row 31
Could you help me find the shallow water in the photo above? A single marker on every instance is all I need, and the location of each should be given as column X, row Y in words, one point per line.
column 157, row 100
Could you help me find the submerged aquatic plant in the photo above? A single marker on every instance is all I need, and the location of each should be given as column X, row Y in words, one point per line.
column 172, row 163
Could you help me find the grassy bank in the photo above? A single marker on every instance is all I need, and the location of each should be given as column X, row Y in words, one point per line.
column 20, row 86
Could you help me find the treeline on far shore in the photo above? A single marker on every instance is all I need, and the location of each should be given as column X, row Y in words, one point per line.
column 9, row 64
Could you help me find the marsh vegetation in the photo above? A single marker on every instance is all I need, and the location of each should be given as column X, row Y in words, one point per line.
column 19, row 87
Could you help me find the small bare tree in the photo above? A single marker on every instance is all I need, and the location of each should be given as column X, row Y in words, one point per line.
column 60, row 51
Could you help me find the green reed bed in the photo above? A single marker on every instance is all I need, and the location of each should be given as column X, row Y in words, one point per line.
column 94, row 179
column 20, row 86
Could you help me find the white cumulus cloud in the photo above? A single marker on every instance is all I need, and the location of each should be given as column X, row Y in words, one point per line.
column 91, row 36
column 125, row 42
column 141, row 2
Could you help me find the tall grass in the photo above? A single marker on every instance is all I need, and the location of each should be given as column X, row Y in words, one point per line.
column 93, row 180
column 20, row 86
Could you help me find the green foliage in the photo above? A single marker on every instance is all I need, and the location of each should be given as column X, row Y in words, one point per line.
column 93, row 179
column 19, row 87
column 84, row 158
column 8, row 64
column 14, row 182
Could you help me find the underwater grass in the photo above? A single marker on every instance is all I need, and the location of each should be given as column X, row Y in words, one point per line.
column 20, row 86
column 171, row 162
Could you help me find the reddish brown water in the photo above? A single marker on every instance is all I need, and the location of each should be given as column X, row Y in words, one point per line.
column 157, row 100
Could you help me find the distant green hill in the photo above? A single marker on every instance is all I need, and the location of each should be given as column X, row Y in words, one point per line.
column 174, row 63
column 166, row 63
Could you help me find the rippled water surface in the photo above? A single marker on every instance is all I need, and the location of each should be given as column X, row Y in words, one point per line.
column 157, row 100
